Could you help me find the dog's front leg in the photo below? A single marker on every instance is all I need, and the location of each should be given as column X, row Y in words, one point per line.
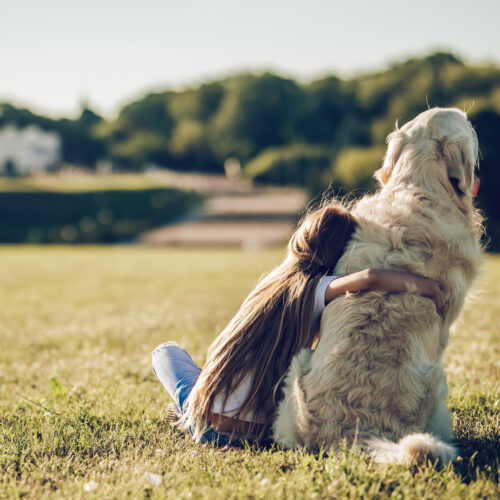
column 439, row 422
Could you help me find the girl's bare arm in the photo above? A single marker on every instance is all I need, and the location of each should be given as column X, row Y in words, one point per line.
column 387, row 280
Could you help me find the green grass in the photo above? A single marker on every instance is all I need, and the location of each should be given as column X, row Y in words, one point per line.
column 79, row 402
column 78, row 183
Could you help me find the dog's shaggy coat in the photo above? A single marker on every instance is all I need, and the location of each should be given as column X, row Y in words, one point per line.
column 376, row 377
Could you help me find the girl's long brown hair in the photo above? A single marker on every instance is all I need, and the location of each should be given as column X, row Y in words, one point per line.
column 273, row 324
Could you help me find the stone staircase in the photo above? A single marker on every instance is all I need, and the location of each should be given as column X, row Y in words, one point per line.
column 234, row 215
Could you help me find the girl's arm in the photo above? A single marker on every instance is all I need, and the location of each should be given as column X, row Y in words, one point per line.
column 387, row 280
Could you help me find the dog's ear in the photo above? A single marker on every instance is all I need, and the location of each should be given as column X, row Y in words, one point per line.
column 459, row 157
column 395, row 145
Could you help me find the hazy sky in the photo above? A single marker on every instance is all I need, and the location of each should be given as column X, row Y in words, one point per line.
column 56, row 53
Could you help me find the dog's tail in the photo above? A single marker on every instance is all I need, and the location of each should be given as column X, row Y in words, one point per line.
column 411, row 449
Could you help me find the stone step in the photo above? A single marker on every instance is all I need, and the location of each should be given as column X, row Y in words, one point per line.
column 242, row 234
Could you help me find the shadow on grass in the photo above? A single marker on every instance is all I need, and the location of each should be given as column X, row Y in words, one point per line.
column 480, row 457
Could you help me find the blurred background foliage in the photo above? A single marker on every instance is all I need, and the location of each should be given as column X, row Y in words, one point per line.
column 89, row 216
column 327, row 132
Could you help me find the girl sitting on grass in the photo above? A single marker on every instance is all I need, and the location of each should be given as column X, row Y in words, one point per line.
column 236, row 393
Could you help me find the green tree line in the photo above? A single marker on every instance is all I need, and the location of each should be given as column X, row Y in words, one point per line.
column 326, row 132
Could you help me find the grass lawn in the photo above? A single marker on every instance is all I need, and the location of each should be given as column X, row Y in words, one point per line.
column 79, row 402
column 78, row 183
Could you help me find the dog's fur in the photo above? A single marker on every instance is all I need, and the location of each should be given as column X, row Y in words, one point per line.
column 376, row 377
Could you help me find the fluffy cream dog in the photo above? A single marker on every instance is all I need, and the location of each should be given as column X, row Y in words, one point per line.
column 376, row 376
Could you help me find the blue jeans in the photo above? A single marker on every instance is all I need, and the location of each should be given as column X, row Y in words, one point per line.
column 178, row 373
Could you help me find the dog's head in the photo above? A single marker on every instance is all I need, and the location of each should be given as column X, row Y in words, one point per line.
column 437, row 150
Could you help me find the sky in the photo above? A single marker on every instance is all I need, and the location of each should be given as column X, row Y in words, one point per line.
column 57, row 54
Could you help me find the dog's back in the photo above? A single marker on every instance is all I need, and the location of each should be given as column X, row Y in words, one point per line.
column 376, row 376
column 377, row 361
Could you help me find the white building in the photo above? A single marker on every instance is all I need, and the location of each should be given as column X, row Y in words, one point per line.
column 24, row 151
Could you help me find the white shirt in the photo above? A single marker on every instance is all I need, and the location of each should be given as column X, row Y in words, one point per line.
column 240, row 394
column 319, row 296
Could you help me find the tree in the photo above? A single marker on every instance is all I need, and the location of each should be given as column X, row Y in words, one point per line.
column 487, row 124
column 257, row 112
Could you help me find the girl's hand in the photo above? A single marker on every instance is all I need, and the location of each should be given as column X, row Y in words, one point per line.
column 387, row 280
column 399, row 281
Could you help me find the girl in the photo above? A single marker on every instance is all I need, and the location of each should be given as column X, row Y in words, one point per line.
column 237, row 392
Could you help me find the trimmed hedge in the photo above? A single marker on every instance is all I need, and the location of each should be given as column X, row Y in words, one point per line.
column 88, row 217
